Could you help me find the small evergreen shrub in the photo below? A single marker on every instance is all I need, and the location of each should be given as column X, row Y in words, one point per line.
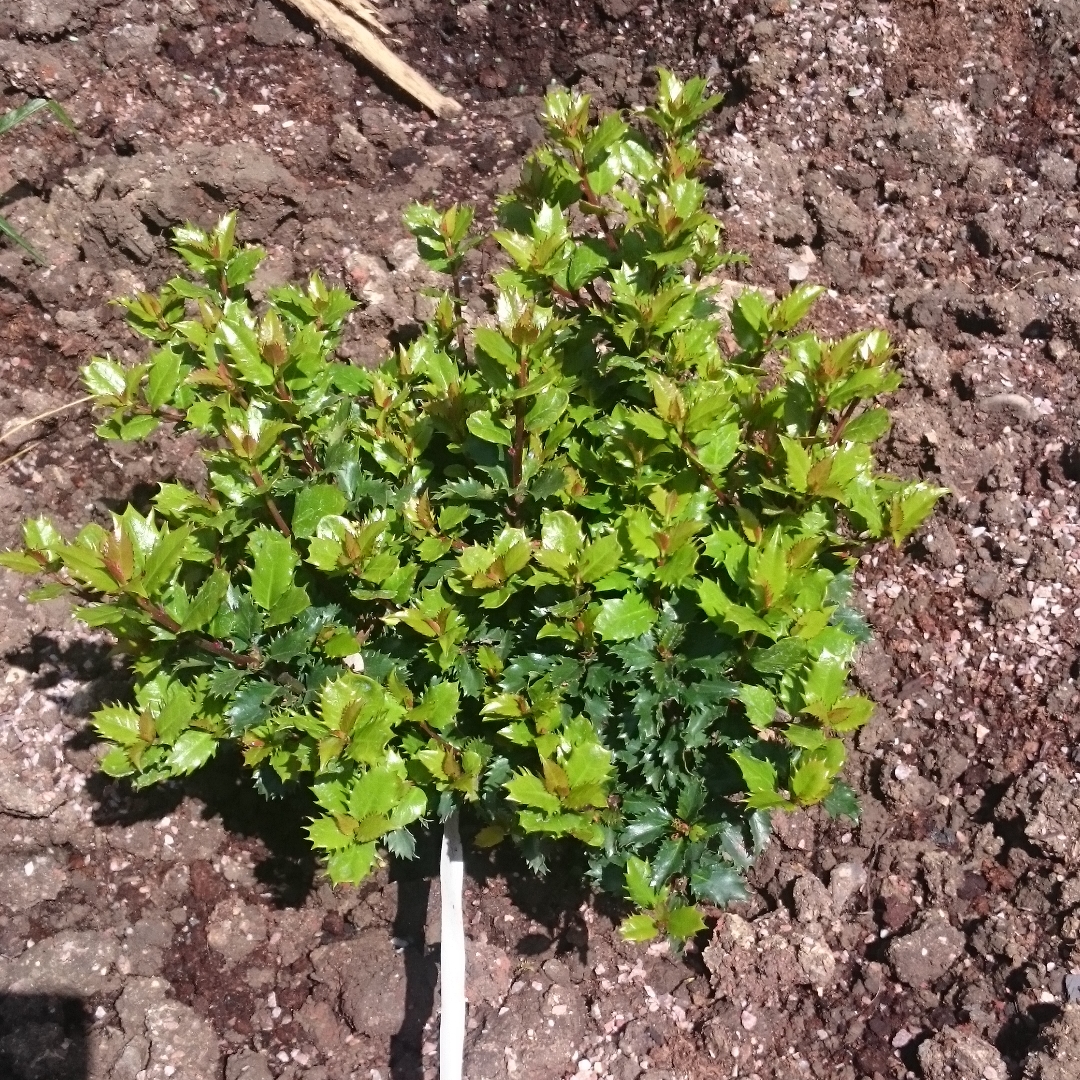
column 584, row 570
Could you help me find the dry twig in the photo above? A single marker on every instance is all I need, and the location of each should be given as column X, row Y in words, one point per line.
column 349, row 28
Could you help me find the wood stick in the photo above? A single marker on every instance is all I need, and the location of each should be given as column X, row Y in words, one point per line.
column 359, row 38
column 364, row 12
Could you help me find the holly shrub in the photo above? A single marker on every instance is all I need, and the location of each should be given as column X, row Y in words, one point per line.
column 582, row 567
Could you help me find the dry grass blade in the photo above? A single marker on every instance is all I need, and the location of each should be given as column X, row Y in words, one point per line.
column 44, row 416
column 356, row 36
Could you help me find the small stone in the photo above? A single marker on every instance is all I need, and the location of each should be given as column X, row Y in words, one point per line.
column 957, row 1055
column 748, row 1020
column 845, row 881
column 928, row 952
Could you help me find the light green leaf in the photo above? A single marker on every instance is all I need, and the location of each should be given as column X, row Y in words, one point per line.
column 639, row 882
column 104, row 377
column 484, row 426
column 324, row 833
column 352, row 864
column 164, row 378
column 760, row 704
column 164, row 558
column 625, row 617
column 550, row 404
column 758, row 775
column 798, row 462
column 811, row 782
column 192, row 749
column 207, row 601
column 312, row 504
column 118, row 723
column 638, row 928
column 911, row 507
column 20, row 562
column 684, row 922
column 438, row 707
column 717, row 453
column 600, row 558
column 561, row 532
column 274, row 564
column 243, row 346
column 868, row 426
column 116, row 763
column 528, row 789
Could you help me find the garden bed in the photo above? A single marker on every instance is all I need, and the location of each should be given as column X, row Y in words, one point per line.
column 187, row 932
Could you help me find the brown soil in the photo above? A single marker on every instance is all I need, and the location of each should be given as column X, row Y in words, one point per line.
column 921, row 159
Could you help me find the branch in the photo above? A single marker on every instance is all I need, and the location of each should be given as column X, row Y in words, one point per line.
column 215, row 648
column 272, row 506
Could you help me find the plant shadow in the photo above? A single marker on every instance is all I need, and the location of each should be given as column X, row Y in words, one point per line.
column 224, row 787
column 43, row 1037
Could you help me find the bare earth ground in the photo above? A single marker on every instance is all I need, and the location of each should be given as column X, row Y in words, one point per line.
column 922, row 160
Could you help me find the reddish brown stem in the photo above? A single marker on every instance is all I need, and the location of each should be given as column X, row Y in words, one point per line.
column 845, row 418
column 601, row 216
column 167, row 622
column 271, row 506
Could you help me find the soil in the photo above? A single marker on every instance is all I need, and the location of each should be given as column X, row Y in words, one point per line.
column 919, row 158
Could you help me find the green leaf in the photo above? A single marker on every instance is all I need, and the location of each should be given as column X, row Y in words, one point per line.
column 550, row 404
column 841, row 800
column 118, row 723
column 243, row 346
column 484, row 426
column 496, row 346
column 528, row 789
column 717, row 883
column 352, row 864
column 810, row 782
column 600, row 558
column 207, row 601
column 785, row 655
column 717, row 453
column 588, row 260
column 274, row 564
column 868, row 426
column 824, row 684
column 561, row 533
column 192, row 749
column 760, row 704
column 758, row 775
column 625, row 617
column 117, row 763
column 438, row 707
column 312, row 504
column 164, row 378
column 639, row 882
column 105, row 378
column 639, row 928
column 46, row 592
column 684, row 922
column 164, row 558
